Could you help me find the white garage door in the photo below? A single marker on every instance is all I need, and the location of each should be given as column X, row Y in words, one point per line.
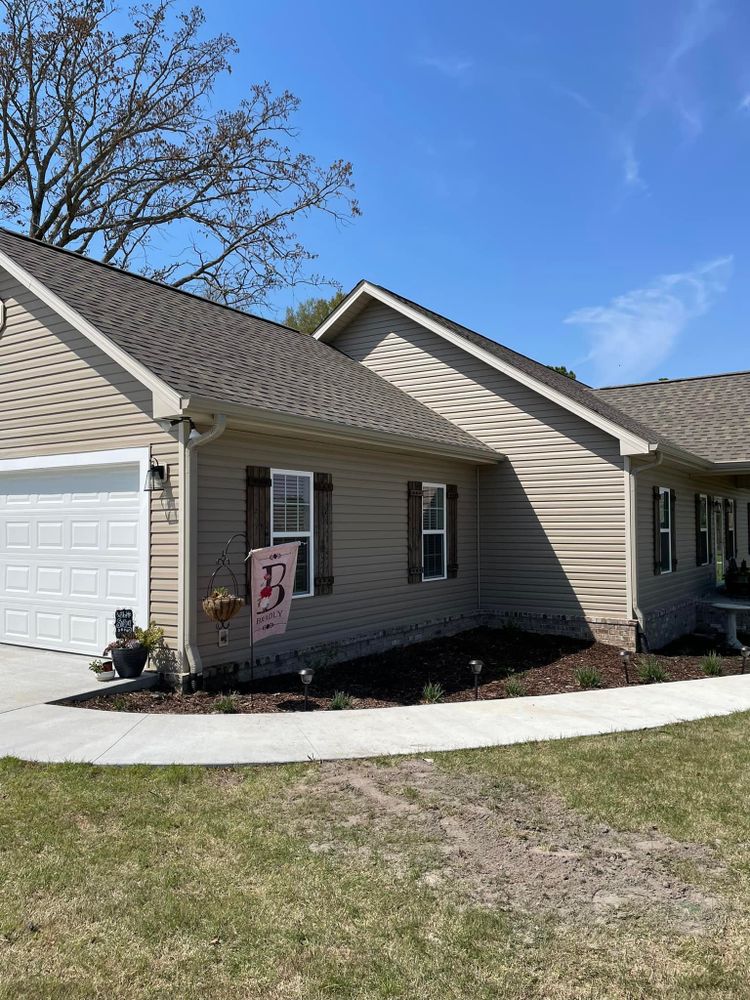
column 73, row 546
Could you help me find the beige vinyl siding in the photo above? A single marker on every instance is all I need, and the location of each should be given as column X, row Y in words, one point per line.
column 553, row 516
column 369, row 540
column 59, row 394
column 688, row 580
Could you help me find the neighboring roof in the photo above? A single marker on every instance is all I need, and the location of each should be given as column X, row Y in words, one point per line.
column 708, row 415
column 201, row 348
column 585, row 399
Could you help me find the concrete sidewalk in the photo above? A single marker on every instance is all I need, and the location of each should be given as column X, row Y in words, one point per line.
column 48, row 732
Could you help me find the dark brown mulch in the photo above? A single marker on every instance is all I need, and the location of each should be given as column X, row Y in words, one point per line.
column 543, row 664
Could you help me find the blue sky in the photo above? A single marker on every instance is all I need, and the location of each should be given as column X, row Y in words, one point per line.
column 572, row 179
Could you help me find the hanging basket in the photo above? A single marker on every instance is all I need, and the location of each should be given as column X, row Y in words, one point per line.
column 223, row 609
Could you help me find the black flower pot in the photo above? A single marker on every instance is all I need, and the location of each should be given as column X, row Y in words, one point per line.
column 130, row 662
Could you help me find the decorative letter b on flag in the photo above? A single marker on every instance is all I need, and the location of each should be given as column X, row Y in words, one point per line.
column 272, row 572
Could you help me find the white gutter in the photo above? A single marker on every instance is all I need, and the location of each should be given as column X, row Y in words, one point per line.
column 631, row 528
column 188, row 538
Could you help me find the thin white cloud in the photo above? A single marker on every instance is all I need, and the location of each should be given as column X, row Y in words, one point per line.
column 745, row 103
column 668, row 87
column 636, row 331
column 451, row 66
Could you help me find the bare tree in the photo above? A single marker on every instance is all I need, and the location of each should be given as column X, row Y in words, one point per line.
column 109, row 140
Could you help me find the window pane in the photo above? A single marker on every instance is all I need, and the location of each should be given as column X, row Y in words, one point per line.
column 664, row 508
column 302, row 582
column 432, row 552
column 291, row 503
column 666, row 564
column 433, row 508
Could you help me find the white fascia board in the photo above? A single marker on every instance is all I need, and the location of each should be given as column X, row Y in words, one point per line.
column 88, row 330
column 253, row 417
column 630, row 443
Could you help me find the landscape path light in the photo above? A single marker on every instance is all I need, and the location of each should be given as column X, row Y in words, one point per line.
column 744, row 653
column 476, row 669
column 306, row 676
column 626, row 656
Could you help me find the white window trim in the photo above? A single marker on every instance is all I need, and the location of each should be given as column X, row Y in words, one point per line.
column 310, row 535
column 436, row 531
column 703, row 498
column 665, row 490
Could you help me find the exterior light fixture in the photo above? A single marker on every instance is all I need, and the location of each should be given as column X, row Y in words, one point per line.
column 744, row 653
column 626, row 656
column 306, row 676
column 156, row 477
column 476, row 669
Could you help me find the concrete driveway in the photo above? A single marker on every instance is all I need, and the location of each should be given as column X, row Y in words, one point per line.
column 37, row 676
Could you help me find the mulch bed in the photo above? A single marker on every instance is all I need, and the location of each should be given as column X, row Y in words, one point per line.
column 543, row 664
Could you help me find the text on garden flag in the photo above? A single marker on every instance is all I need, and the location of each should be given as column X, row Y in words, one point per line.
column 272, row 572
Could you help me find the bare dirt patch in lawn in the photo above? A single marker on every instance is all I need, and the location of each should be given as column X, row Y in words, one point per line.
column 515, row 849
column 541, row 664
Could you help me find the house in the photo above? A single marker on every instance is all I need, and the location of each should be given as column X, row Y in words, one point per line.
column 434, row 478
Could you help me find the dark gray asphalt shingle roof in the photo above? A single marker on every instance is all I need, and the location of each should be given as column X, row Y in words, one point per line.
column 200, row 348
column 708, row 416
column 572, row 388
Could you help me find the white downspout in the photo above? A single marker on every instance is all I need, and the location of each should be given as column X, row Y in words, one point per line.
column 191, row 441
column 632, row 541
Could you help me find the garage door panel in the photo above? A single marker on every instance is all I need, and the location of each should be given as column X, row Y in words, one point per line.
column 73, row 550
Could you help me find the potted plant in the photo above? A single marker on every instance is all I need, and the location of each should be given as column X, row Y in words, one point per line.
column 221, row 605
column 103, row 669
column 131, row 651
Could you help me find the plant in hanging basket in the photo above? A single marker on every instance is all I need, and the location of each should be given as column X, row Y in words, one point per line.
column 221, row 605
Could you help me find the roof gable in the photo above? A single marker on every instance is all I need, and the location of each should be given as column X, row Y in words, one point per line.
column 634, row 436
column 186, row 346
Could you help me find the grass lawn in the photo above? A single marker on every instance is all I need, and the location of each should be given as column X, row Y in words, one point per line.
column 606, row 867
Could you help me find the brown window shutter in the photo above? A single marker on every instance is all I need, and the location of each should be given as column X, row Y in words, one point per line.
column 258, row 506
column 258, row 510
column 728, row 554
column 710, row 502
column 414, row 531
column 323, row 488
column 657, row 532
column 673, row 527
column 451, row 529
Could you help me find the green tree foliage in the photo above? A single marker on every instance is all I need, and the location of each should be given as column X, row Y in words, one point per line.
column 563, row 370
column 308, row 315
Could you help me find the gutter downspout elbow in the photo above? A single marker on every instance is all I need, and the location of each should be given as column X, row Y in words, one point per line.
column 191, row 441
column 633, row 540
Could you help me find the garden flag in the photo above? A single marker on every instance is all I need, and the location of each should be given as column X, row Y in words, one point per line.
column 272, row 572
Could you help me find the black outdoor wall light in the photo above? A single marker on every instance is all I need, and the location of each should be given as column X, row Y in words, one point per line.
column 156, row 477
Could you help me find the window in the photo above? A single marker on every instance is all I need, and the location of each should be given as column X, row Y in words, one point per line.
column 702, row 531
column 665, row 529
column 292, row 520
column 433, row 532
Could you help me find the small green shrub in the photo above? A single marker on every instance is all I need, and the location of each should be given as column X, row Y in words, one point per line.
column 650, row 671
column 712, row 664
column 589, row 678
column 514, row 688
column 432, row 693
column 226, row 705
column 340, row 701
